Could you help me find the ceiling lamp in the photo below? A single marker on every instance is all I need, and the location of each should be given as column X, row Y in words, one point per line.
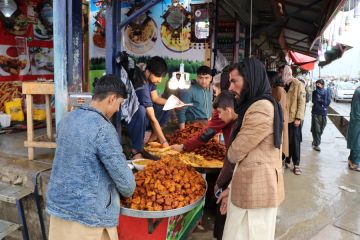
column 180, row 80
column 173, row 82
column 357, row 9
column 8, row 7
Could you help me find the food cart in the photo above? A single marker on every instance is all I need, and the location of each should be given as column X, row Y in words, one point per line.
column 167, row 203
column 153, row 225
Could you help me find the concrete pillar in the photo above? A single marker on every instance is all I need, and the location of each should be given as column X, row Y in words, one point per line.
column 113, row 36
column 60, row 59
column 68, row 50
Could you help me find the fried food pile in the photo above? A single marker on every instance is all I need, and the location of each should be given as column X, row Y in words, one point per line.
column 195, row 160
column 192, row 159
column 166, row 184
column 212, row 150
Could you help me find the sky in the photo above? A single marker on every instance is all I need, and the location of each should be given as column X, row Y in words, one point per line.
column 349, row 63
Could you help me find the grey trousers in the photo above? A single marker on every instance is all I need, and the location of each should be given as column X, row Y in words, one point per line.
column 318, row 123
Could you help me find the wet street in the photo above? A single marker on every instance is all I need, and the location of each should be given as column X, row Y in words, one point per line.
column 315, row 206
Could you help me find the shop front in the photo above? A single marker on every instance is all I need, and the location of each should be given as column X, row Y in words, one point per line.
column 82, row 40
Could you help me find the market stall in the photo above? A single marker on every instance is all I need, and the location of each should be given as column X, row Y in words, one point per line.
column 177, row 214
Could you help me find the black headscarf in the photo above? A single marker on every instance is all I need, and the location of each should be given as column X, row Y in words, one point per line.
column 257, row 88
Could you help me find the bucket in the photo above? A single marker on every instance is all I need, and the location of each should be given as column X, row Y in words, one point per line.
column 5, row 120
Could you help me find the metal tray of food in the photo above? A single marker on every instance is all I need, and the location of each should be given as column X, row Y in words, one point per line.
column 207, row 170
column 161, row 214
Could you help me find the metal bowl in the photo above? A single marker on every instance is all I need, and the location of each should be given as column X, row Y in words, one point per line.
column 161, row 214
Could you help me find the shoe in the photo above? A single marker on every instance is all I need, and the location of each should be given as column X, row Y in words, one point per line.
column 316, row 148
column 297, row 170
column 148, row 155
column 353, row 166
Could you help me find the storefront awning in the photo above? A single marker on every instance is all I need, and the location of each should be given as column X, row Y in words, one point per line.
column 303, row 61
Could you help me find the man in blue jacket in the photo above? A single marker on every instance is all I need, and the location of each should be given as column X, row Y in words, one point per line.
column 89, row 169
column 200, row 95
column 321, row 101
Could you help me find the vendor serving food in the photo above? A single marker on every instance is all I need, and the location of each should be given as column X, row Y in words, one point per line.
column 146, row 111
column 215, row 125
column 89, row 169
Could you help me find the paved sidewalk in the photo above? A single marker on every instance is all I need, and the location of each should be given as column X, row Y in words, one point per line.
column 315, row 206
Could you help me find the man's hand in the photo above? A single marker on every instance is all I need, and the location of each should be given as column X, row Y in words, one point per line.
column 165, row 144
column 177, row 147
column 181, row 126
column 297, row 123
column 224, row 200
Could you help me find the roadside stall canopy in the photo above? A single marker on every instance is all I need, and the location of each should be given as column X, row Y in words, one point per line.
column 303, row 61
column 287, row 24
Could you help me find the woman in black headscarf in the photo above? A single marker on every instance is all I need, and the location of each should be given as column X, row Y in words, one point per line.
column 257, row 188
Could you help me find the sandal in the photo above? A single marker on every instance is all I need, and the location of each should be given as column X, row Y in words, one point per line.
column 297, row 170
column 353, row 166
column 145, row 155
column 133, row 154
column 148, row 155
column 286, row 165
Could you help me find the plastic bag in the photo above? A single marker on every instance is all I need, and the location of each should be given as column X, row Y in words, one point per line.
column 39, row 113
column 5, row 120
column 220, row 62
column 14, row 109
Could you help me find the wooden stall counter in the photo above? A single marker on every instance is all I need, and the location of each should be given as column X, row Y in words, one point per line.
column 38, row 88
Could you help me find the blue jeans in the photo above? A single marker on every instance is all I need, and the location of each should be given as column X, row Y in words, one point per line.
column 140, row 123
column 161, row 115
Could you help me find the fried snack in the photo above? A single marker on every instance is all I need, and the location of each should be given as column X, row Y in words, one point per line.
column 166, row 184
column 157, row 149
column 154, row 144
column 192, row 159
column 212, row 150
column 12, row 65
column 195, row 160
column 142, row 161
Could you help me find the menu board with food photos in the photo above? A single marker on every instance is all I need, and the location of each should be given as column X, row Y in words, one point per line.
column 26, row 41
column 164, row 30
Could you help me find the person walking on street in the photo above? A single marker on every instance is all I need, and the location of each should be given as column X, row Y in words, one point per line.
column 296, row 103
column 321, row 102
column 353, row 139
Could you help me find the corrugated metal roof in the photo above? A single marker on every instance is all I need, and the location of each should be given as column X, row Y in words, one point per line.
column 302, row 21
